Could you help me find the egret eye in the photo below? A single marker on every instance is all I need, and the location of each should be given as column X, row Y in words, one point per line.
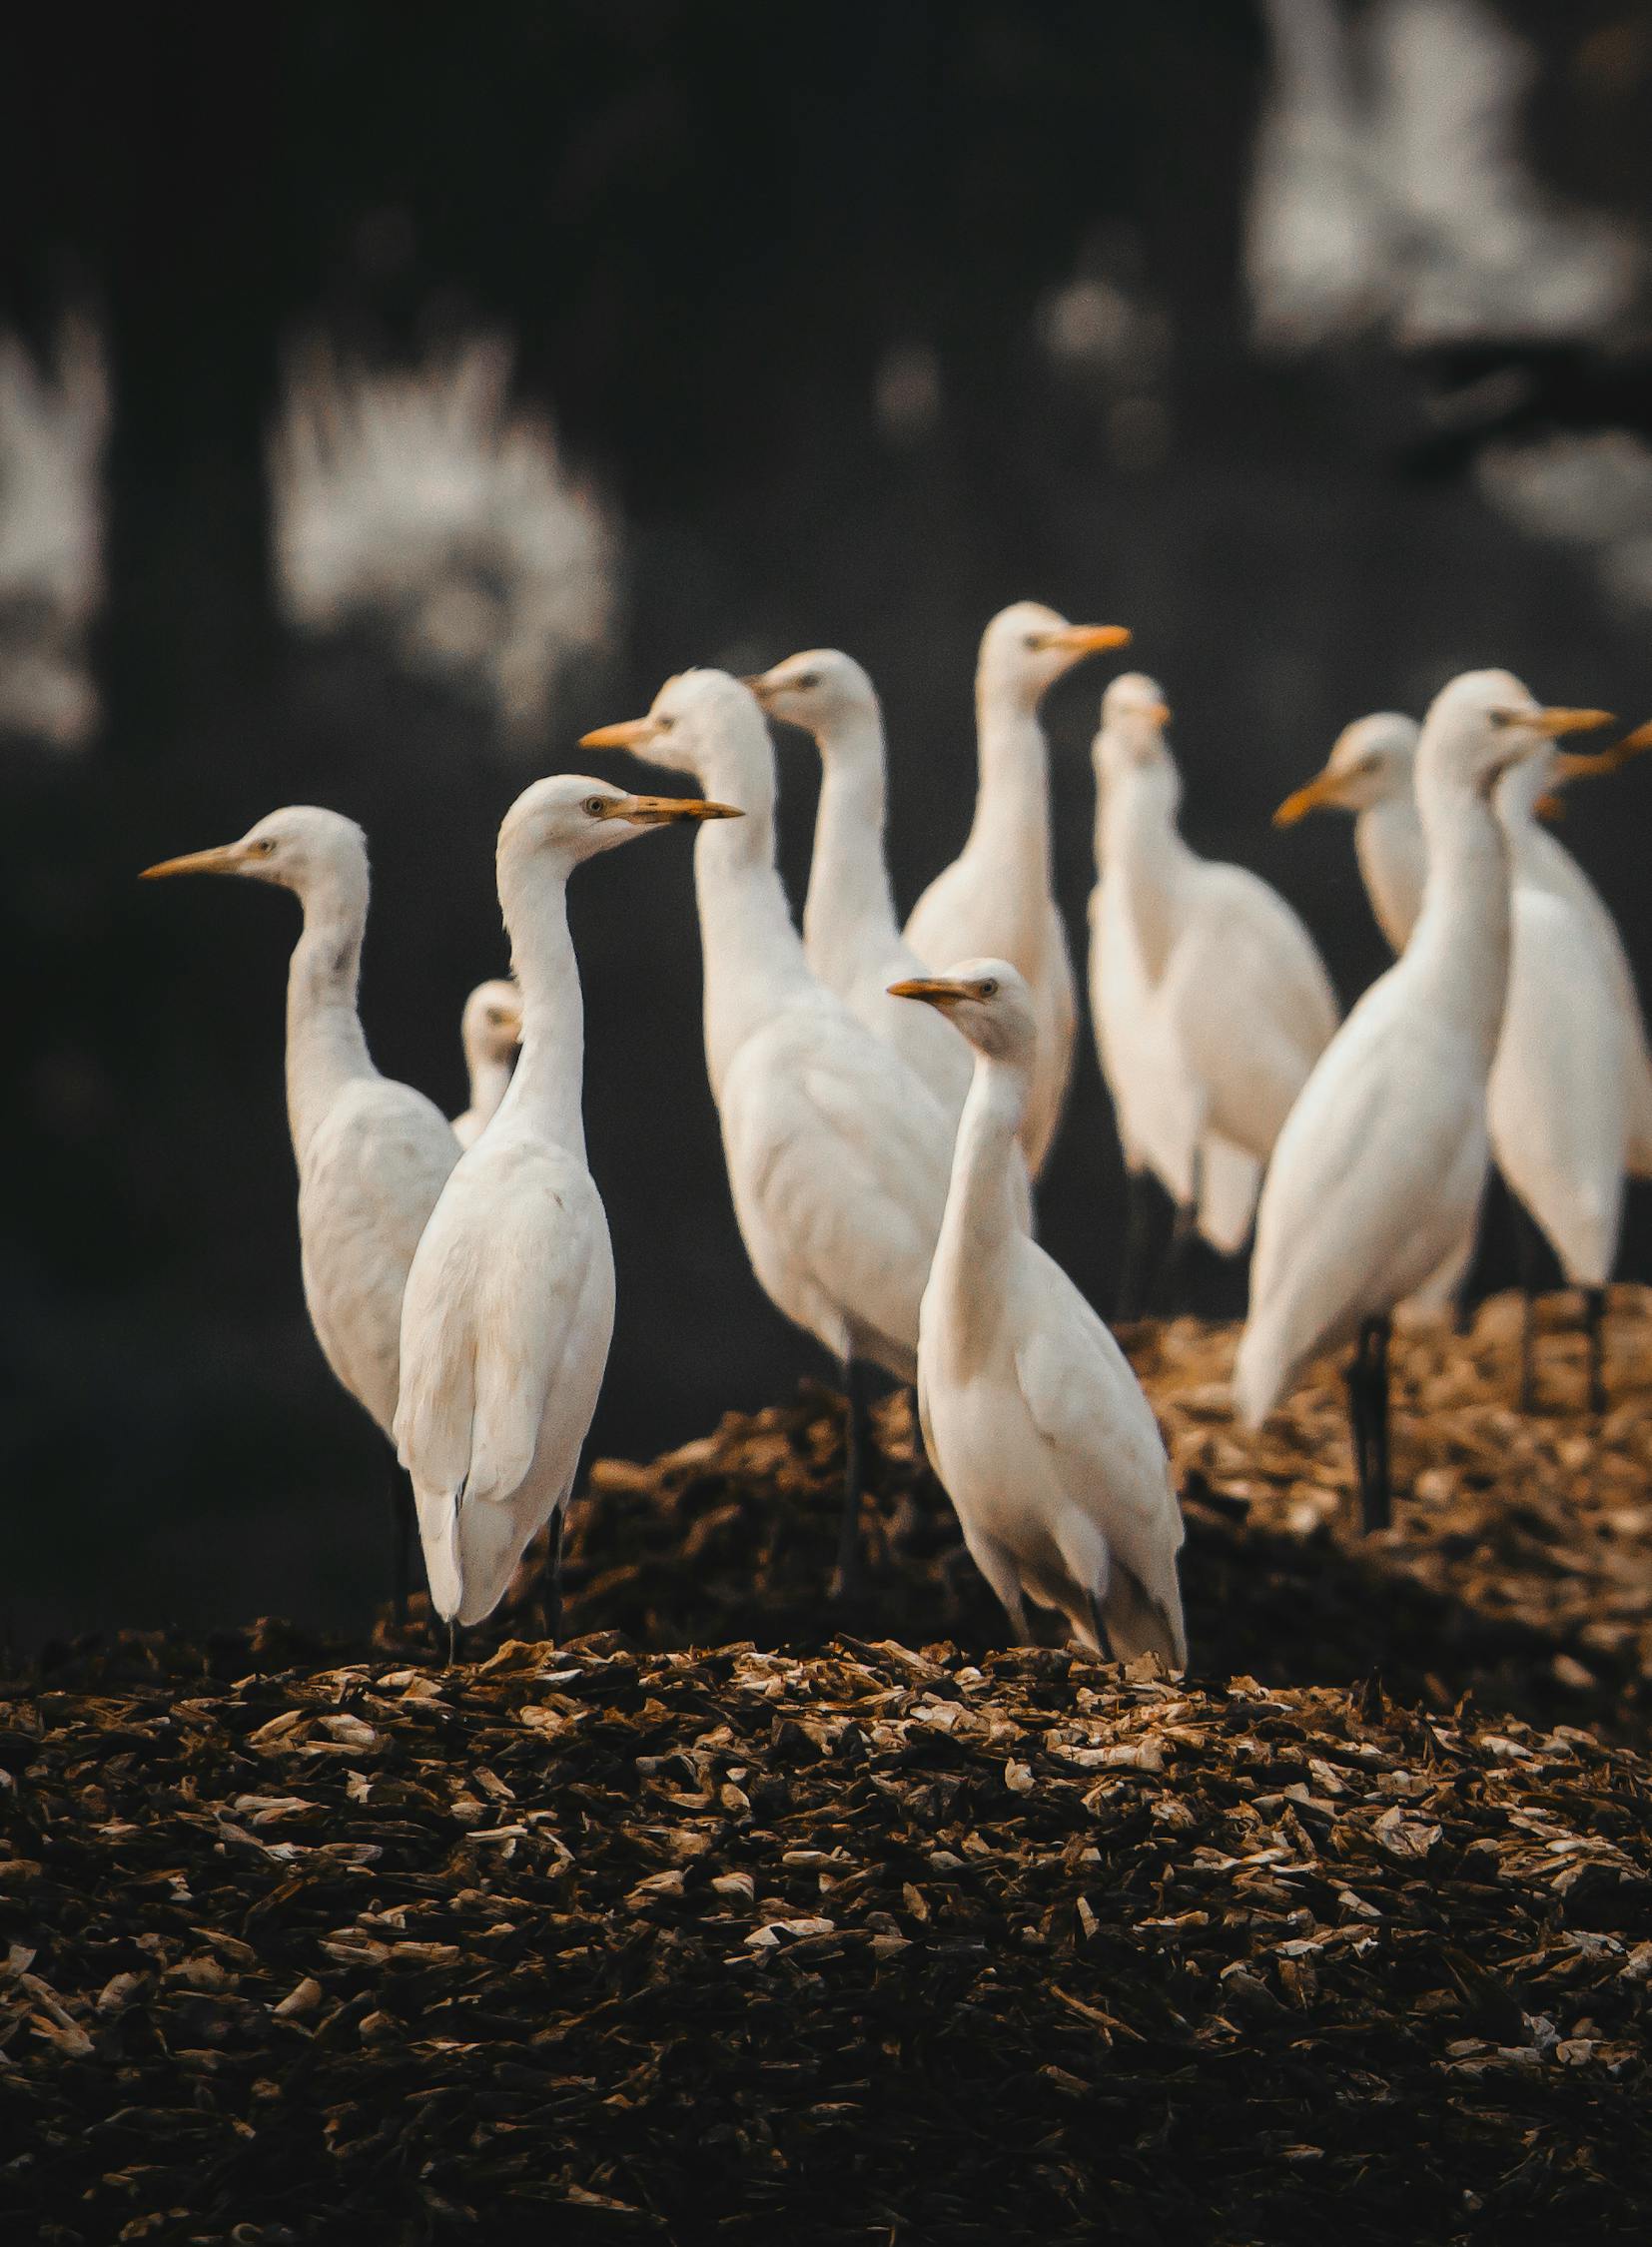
column 597, row 806
column 263, row 846
column 808, row 681
column 1033, row 642
column 664, row 723
column 987, row 988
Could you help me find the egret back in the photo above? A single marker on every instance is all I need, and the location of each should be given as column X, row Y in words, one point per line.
column 373, row 1168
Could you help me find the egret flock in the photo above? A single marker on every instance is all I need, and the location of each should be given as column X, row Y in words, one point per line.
column 887, row 1098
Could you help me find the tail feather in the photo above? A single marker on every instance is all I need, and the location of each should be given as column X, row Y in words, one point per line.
column 1138, row 1623
column 438, row 1534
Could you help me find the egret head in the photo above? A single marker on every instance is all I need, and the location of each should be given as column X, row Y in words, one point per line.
column 823, row 690
column 490, row 1028
column 693, row 714
column 1370, row 764
column 298, row 848
column 1482, row 724
column 1530, row 789
column 568, row 819
column 987, row 1000
column 1027, row 647
column 1131, row 732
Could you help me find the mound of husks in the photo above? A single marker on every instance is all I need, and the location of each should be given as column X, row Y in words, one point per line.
column 591, row 1945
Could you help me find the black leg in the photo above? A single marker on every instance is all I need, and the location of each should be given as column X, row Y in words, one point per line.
column 1594, row 1316
column 453, row 1642
column 1528, row 1252
column 855, row 1432
column 1360, row 1422
column 401, row 1520
column 1375, row 1342
column 1183, row 1228
column 1136, row 1257
column 552, row 1578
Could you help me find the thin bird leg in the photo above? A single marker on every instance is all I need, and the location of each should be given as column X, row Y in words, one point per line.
column 1378, row 1505
column 846, row 1580
column 552, row 1580
column 1134, row 1256
column 1359, row 1419
column 1528, row 1250
column 401, row 1520
column 1099, row 1628
column 453, row 1642
column 1594, row 1322
column 1183, row 1228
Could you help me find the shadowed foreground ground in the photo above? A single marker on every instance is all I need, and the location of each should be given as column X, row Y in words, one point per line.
column 632, row 1939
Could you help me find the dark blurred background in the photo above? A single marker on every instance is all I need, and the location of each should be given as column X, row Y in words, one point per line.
column 385, row 402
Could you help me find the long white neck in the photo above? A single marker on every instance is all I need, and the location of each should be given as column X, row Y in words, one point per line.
column 1141, row 847
column 490, row 1078
column 1387, row 840
column 754, row 962
column 326, row 1047
column 1012, row 800
column 849, row 915
column 1459, row 949
column 981, row 1224
column 546, row 1088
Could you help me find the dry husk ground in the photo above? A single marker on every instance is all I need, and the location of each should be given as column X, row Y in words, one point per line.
column 861, row 1931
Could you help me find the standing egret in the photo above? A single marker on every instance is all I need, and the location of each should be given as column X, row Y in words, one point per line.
column 372, row 1154
column 489, row 1030
column 509, row 1302
column 1377, row 1171
column 1561, row 1102
column 1211, row 1002
column 997, row 895
column 838, row 1155
column 1037, row 1426
column 851, row 936
column 1563, row 1036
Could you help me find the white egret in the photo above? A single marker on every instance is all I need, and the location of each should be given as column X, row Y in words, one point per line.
column 1034, row 1420
column 509, row 1302
column 997, row 895
column 851, row 936
column 1573, row 1074
column 1378, row 1173
column 489, row 1030
column 838, row 1155
column 1561, row 1097
column 372, row 1154
column 1211, row 1002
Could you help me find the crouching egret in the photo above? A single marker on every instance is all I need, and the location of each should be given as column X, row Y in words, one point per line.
column 510, row 1303
column 837, row 1153
column 851, row 936
column 489, row 1030
column 1211, row 1003
column 1377, row 1171
column 372, row 1154
column 997, row 897
column 1035, row 1422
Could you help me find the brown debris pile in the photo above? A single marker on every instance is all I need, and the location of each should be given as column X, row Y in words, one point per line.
column 587, row 1944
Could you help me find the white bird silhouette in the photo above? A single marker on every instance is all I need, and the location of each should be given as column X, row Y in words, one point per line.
column 509, row 1302
column 372, row 1154
column 1378, row 1173
column 1037, row 1426
column 489, row 1030
column 1210, row 1000
column 996, row 896
column 837, row 1153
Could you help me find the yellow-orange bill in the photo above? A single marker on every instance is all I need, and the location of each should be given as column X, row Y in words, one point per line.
column 1323, row 788
column 223, row 859
column 629, row 733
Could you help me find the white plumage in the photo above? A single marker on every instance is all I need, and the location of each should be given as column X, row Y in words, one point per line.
column 1378, row 1173
column 1035, row 1422
column 372, row 1154
column 996, row 896
column 509, row 1302
column 851, row 938
column 837, row 1153
column 1210, row 1000
column 489, row 1030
